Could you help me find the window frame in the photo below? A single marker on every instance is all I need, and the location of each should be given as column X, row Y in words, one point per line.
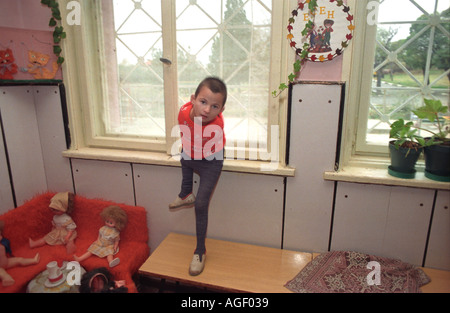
column 357, row 71
column 355, row 114
column 83, row 74
column 352, row 62
column 365, row 87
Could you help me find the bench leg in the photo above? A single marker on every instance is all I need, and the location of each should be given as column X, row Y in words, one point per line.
column 162, row 284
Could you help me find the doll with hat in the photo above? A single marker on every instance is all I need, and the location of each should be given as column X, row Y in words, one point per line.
column 107, row 243
column 7, row 260
column 64, row 228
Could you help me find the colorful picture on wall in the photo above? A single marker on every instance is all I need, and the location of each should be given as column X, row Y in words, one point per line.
column 8, row 67
column 329, row 33
column 27, row 55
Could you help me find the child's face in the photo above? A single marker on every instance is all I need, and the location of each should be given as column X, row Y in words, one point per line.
column 207, row 105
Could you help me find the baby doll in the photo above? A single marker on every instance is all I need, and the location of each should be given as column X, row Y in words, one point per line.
column 63, row 232
column 107, row 243
column 7, row 260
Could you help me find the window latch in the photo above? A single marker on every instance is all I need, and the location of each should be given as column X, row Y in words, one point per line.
column 166, row 61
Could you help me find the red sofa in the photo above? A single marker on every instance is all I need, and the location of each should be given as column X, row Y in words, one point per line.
column 33, row 219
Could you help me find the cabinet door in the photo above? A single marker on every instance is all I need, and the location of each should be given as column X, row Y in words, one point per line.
column 52, row 138
column 381, row 220
column 309, row 199
column 155, row 188
column 22, row 139
column 237, row 211
column 360, row 217
column 111, row 181
column 6, row 196
column 438, row 253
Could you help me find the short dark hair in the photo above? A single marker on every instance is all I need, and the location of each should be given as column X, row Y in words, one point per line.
column 216, row 85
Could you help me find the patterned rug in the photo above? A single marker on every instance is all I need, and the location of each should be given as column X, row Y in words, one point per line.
column 353, row 272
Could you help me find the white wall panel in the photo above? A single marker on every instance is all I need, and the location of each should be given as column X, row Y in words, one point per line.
column 53, row 141
column 309, row 202
column 23, row 141
column 156, row 187
column 360, row 217
column 104, row 180
column 386, row 221
column 408, row 222
column 6, row 196
column 438, row 253
column 247, row 208
column 244, row 208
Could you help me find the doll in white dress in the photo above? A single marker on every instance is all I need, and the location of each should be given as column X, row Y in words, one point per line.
column 64, row 228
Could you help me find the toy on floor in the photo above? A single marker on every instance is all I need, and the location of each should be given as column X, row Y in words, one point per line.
column 107, row 243
column 64, row 228
column 7, row 260
column 100, row 280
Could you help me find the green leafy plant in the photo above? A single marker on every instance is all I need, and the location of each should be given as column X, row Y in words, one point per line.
column 58, row 33
column 312, row 8
column 432, row 111
column 405, row 135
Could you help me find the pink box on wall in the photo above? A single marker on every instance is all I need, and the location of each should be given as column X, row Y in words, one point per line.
column 32, row 54
column 24, row 28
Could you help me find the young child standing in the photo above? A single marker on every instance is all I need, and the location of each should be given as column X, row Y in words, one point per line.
column 203, row 140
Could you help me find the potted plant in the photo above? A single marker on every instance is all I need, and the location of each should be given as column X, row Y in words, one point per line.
column 405, row 149
column 436, row 147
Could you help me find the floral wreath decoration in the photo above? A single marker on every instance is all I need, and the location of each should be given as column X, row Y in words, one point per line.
column 321, row 49
column 319, row 31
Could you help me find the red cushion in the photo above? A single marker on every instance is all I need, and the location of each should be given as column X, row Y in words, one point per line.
column 33, row 219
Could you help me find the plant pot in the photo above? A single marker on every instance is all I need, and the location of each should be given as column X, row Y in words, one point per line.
column 403, row 161
column 437, row 162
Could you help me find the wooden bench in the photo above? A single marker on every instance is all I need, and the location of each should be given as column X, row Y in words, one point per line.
column 236, row 267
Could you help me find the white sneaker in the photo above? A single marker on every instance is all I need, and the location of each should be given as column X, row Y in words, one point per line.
column 179, row 203
column 114, row 262
column 197, row 266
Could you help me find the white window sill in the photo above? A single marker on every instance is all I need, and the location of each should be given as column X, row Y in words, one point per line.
column 162, row 159
column 374, row 171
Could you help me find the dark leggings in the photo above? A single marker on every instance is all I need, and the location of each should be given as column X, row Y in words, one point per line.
column 209, row 172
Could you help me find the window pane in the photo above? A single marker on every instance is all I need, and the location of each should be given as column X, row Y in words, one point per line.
column 138, row 110
column 229, row 39
column 411, row 62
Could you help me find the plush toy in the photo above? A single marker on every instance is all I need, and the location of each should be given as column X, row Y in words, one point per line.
column 7, row 260
column 64, row 228
column 7, row 65
column 100, row 280
column 107, row 243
